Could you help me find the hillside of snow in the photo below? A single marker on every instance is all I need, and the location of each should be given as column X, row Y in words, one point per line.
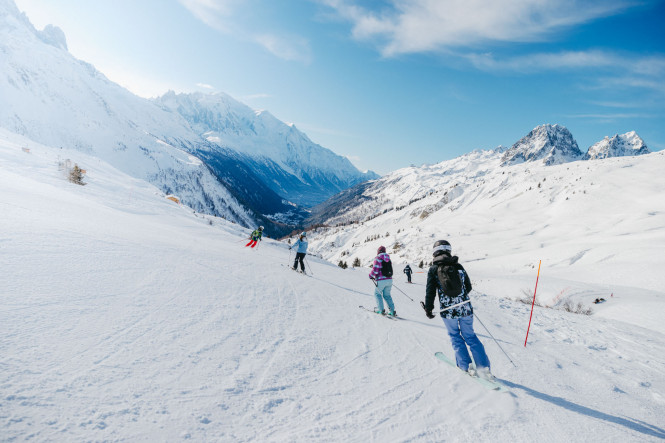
column 598, row 226
column 128, row 317
column 285, row 158
column 201, row 152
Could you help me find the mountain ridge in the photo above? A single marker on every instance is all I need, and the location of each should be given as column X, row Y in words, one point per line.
column 53, row 98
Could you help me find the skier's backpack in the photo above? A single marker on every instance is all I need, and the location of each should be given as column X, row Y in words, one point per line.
column 450, row 280
column 387, row 269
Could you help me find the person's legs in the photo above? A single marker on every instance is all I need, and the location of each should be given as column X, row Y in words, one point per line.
column 302, row 261
column 472, row 340
column 387, row 287
column 462, row 356
column 378, row 293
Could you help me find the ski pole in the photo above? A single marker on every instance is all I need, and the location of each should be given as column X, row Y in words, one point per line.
column 449, row 307
column 402, row 292
column 495, row 341
column 289, row 256
column 309, row 266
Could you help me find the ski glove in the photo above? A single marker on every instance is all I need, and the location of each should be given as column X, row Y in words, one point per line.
column 428, row 312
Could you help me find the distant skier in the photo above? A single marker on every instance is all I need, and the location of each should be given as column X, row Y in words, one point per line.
column 449, row 279
column 408, row 272
column 382, row 273
column 301, row 251
column 255, row 237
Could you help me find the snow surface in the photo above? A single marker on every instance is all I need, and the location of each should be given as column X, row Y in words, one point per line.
column 597, row 226
column 128, row 317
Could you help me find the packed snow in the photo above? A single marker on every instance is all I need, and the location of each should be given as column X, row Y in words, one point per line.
column 128, row 317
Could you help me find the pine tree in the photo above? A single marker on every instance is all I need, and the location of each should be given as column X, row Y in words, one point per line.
column 420, row 265
column 356, row 263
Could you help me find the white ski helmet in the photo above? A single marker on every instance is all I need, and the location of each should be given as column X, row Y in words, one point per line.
column 441, row 247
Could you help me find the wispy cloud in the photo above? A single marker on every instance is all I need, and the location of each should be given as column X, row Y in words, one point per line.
column 291, row 48
column 224, row 16
column 214, row 13
column 609, row 116
column 411, row 26
column 610, row 69
column 566, row 60
column 258, row 96
column 205, row 86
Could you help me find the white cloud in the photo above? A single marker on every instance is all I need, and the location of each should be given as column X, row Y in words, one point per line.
column 224, row 16
column 287, row 48
column 649, row 65
column 257, row 96
column 214, row 13
column 411, row 26
column 205, row 86
column 610, row 69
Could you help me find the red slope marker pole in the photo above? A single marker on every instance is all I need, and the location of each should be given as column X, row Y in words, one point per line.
column 532, row 303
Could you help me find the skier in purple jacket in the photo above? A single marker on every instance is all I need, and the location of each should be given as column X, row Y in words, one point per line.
column 382, row 275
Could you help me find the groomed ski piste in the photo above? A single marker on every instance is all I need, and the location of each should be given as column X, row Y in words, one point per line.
column 126, row 317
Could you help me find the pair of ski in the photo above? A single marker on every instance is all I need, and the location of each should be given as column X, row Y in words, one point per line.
column 391, row 317
column 296, row 270
column 488, row 384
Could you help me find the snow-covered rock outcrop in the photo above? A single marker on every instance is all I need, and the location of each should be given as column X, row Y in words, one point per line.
column 549, row 144
column 621, row 145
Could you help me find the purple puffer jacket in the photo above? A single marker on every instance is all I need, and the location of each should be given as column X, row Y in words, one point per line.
column 376, row 269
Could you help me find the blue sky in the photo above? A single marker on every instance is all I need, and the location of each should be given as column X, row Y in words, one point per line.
column 390, row 83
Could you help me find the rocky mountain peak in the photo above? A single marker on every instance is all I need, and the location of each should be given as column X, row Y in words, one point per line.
column 620, row 145
column 549, row 144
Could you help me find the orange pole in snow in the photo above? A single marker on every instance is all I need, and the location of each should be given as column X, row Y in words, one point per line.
column 532, row 303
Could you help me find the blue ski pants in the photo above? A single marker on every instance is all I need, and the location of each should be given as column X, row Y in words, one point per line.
column 382, row 292
column 462, row 335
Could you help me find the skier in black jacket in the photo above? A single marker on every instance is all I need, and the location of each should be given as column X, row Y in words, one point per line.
column 408, row 271
column 450, row 280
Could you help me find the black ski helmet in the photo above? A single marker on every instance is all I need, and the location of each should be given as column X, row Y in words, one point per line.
column 441, row 247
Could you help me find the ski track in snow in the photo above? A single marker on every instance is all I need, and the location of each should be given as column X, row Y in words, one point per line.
column 141, row 321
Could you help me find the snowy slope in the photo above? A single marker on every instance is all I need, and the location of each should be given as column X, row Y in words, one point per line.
column 127, row 317
column 287, row 160
column 51, row 97
column 597, row 226
column 254, row 177
column 620, row 145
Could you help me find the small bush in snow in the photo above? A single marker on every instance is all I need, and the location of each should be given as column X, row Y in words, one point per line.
column 76, row 175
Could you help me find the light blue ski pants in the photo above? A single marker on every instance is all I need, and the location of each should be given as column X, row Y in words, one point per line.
column 382, row 292
column 461, row 334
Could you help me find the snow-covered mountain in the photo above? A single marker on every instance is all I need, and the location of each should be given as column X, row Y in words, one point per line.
column 253, row 169
column 506, row 219
column 285, row 158
column 623, row 145
column 126, row 317
column 551, row 144
column 51, row 97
